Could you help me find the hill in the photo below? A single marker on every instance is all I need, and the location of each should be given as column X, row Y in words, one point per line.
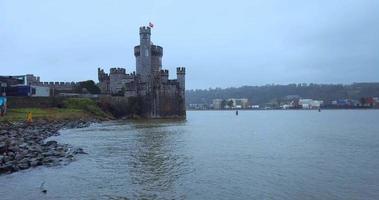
column 264, row 94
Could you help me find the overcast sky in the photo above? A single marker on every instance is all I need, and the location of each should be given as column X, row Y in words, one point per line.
column 221, row 43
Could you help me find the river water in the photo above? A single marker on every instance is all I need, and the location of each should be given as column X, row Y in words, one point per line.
column 333, row 154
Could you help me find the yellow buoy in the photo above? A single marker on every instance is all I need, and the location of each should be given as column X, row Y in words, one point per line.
column 29, row 117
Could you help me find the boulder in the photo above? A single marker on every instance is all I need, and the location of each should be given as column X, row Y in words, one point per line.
column 3, row 147
column 79, row 151
column 51, row 143
column 6, row 168
column 23, row 145
column 24, row 164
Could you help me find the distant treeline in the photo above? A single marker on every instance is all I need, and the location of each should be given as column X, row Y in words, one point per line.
column 268, row 93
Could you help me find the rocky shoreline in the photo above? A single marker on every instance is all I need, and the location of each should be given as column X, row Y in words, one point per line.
column 23, row 145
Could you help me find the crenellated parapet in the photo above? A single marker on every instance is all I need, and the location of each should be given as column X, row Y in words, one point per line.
column 117, row 71
column 102, row 76
column 32, row 80
column 53, row 84
column 61, row 86
column 156, row 50
column 180, row 74
column 163, row 72
column 131, row 75
column 137, row 51
column 163, row 75
column 180, row 70
column 145, row 30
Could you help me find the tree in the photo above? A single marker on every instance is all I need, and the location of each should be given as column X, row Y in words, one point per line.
column 230, row 103
column 89, row 85
column 265, row 94
column 223, row 104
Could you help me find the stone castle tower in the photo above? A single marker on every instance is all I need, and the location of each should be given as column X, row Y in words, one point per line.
column 148, row 56
column 161, row 96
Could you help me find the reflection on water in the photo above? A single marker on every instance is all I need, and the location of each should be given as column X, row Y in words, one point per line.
column 156, row 158
column 215, row 155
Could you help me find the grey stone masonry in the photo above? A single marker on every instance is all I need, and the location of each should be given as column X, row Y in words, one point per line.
column 161, row 96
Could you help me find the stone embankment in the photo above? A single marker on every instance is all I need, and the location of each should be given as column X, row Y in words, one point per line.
column 24, row 145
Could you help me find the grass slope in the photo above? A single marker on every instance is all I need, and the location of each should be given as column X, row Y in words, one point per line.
column 75, row 108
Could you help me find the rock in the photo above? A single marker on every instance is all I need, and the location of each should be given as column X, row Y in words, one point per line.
column 34, row 163
column 60, row 148
column 24, row 164
column 10, row 155
column 48, row 154
column 13, row 148
column 15, row 168
column 6, row 168
column 58, row 153
column 6, row 158
column 47, row 160
column 19, row 156
column 79, row 151
column 51, row 143
column 23, row 145
column 35, row 148
column 70, row 156
column 3, row 147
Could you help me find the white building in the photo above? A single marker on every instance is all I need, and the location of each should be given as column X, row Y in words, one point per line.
column 310, row 103
column 239, row 103
column 40, row 91
column 216, row 103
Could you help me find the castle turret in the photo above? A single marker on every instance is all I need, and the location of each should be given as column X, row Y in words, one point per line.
column 117, row 79
column 164, row 75
column 143, row 54
column 156, row 58
column 181, row 73
column 181, row 99
column 103, row 81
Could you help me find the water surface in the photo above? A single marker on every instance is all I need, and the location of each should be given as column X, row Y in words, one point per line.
column 216, row 155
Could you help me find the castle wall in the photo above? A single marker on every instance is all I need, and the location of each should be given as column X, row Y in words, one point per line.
column 171, row 103
column 156, row 58
column 104, row 86
column 116, row 82
column 59, row 86
column 103, row 81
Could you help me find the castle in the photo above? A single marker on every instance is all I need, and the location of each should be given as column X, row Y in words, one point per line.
column 160, row 96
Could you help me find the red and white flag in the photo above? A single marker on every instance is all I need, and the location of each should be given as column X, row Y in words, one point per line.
column 151, row 25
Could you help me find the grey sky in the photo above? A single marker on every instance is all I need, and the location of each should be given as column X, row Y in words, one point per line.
column 222, row 43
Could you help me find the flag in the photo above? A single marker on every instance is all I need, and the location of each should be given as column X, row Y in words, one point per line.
column 151, row 25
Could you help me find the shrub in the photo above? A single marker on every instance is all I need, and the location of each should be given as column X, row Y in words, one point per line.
column 85, row 104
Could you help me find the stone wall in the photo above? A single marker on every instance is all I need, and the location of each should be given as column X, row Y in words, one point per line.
column 117, row 82
column 117, row 105
column 171, row 102
column 35, row 102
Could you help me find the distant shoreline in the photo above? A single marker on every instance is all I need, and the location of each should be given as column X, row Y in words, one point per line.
column 284, row 109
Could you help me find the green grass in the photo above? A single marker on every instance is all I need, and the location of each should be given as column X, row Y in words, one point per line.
column 85, row 104
column 75, row 108
column 50, row 114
